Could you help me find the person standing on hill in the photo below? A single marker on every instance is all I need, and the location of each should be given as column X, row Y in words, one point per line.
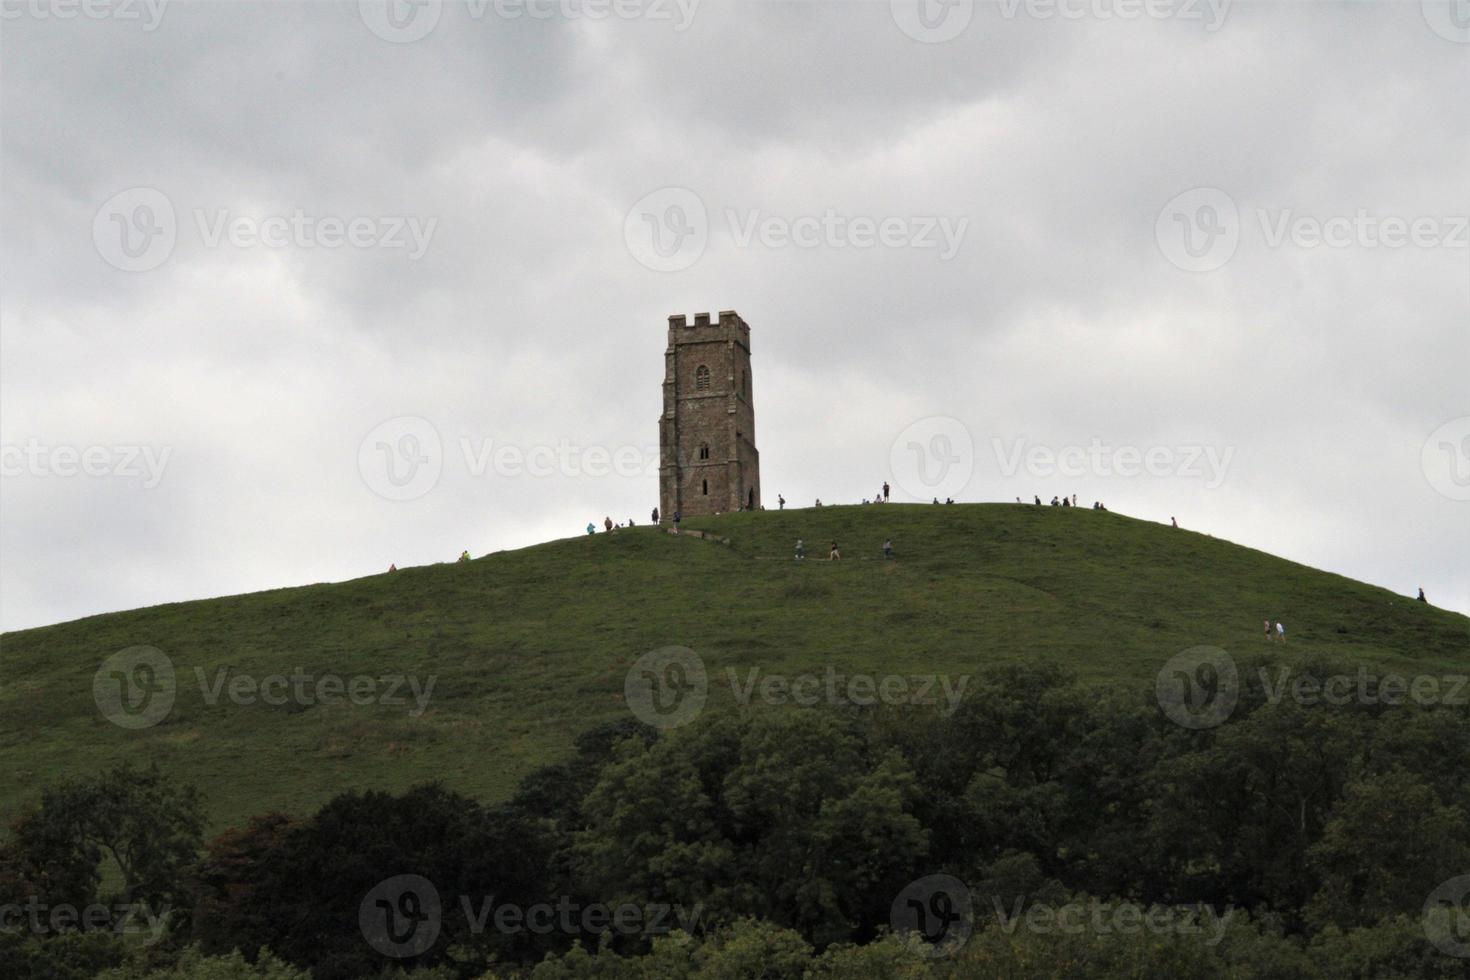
column 464, row 556
column 800, row 550
column 591, row 528
column 834, row 554
column 887, row 547
column 885, row 489
column 607, row 523
column 1421, row 595
column 1268, row 631
column 780, row 502
column 677, row 515
column 655, row 515
column 1173, row 522
column 1281, row 631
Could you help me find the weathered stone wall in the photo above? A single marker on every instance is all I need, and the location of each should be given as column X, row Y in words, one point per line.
column 708, row 459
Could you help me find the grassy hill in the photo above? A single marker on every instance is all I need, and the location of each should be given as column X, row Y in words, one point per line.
column 527, row 648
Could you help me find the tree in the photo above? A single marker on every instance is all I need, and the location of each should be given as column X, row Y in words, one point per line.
column 790, row 816
column 308, row 890
column 225, row 914
column 147, row 826
column 1388, row 843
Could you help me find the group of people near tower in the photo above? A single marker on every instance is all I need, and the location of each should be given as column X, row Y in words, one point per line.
column 1065, row 501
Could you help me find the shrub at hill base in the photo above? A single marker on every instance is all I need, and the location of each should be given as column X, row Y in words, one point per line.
column 1078, row 832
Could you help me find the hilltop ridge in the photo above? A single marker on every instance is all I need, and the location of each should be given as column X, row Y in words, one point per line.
column 496, row 664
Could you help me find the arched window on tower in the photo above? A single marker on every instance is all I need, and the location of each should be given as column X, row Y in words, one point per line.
column 701, row 378
column 704, row 450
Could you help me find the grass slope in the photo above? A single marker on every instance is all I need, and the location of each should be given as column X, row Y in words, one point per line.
column 530, row 647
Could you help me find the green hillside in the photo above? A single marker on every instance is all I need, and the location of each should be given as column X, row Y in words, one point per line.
column 527, row 648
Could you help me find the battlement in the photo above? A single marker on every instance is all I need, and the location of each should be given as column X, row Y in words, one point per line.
column 729, row 326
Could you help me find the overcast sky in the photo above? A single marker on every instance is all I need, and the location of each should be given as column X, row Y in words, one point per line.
column 294, row 290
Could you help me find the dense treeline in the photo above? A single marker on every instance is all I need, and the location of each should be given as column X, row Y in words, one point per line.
column 1045, row 828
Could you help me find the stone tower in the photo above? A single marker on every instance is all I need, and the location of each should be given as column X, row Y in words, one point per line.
column 708, row 463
